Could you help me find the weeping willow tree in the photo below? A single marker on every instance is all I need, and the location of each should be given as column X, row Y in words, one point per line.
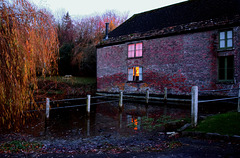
column 28, row 47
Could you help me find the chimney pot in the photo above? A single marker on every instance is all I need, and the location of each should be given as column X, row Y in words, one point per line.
column 106, row 36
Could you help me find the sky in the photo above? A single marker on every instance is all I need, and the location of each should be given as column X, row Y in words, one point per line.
column 89, row 7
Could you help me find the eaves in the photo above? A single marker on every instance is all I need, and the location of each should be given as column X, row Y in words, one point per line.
column 192, row 27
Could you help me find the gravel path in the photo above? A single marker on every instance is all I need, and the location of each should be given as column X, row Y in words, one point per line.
column 139, row 145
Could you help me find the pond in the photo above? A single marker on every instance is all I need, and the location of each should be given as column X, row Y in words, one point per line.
column 107, row 118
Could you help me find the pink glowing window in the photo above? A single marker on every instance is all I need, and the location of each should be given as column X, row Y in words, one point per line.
column 131, row 51
column 134, row 50
column 138, row 49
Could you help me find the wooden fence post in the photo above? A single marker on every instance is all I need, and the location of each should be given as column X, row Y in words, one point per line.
column 147, row 96
column 47, row 107
column 239, row 98
column 88, row 126
column 120, row 100
column 88, row 104
column 194, row 106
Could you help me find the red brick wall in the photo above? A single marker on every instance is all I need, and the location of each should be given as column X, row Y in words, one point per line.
column 176, row 62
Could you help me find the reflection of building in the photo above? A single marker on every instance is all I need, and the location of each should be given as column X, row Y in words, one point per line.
column 195, row 42
column 135, row 121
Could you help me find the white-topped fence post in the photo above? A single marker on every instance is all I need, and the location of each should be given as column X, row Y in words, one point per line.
column 47, row 107
column 194, row 106
column 120, row 100
column 88, row 104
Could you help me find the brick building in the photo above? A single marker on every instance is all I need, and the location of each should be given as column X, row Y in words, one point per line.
column 193, row 43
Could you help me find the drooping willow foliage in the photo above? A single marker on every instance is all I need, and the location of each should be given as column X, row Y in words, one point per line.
column 28, row 47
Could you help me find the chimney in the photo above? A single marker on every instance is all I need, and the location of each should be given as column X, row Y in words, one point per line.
column 106, row 36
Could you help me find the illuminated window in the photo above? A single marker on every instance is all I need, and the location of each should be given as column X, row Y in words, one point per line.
column 135, row 50
column 131, row 48
column 226, row 39
column 138, row 49
column 135, row 73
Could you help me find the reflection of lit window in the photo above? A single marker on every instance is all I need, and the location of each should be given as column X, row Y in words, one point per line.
column 135, row 121
column 135, row 73
column 135, row 50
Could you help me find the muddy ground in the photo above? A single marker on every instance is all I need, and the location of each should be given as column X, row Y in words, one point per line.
column 140, row 144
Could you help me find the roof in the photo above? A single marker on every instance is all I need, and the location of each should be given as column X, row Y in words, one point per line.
column 181, row 16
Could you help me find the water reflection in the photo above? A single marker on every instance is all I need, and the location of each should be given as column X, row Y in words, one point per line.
column 103, row 119
column 135, row 121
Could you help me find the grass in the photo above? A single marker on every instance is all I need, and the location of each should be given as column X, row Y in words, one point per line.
column 62, row 86
column 20, row 146
column 71, row 80
column 225, row 124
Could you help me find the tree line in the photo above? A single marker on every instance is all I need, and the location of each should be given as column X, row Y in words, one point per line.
column 78, row 39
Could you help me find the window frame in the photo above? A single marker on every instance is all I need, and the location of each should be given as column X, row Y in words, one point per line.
column 225, row 39
column 226, row 69
column 135, row 50
column 133, row 73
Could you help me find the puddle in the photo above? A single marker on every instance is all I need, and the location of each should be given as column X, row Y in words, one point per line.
column 104, row 119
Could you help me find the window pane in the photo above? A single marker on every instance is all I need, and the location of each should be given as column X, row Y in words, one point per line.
column 137, row 71
column 131, row 50
column 139, row 46
column 222, row 43
column 230, row 67
column 229, row 43
column 138, row 53
column 130, row 74
column 140, row 73
column 130, row 47
column 221, row 62
column 222, row 35
column 130, row 54
column 230, row 62
column 229, row 34
column 221, row 74
column 139, row 49
column 221, row 68
column 226, row 68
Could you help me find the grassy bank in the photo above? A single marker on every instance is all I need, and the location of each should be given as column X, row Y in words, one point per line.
column 225, row 124
column 65, row 87
column 73, row 81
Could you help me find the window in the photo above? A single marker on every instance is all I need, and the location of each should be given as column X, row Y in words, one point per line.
column 135, row 73
column 134, row 50
column 226, row 68
column 226, row 39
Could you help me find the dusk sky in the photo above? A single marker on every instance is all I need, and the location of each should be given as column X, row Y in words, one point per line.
column 88, row 7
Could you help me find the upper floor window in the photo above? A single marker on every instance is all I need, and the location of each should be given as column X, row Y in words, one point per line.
column 135, row 73
column 135, row 50
column 225, row 39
